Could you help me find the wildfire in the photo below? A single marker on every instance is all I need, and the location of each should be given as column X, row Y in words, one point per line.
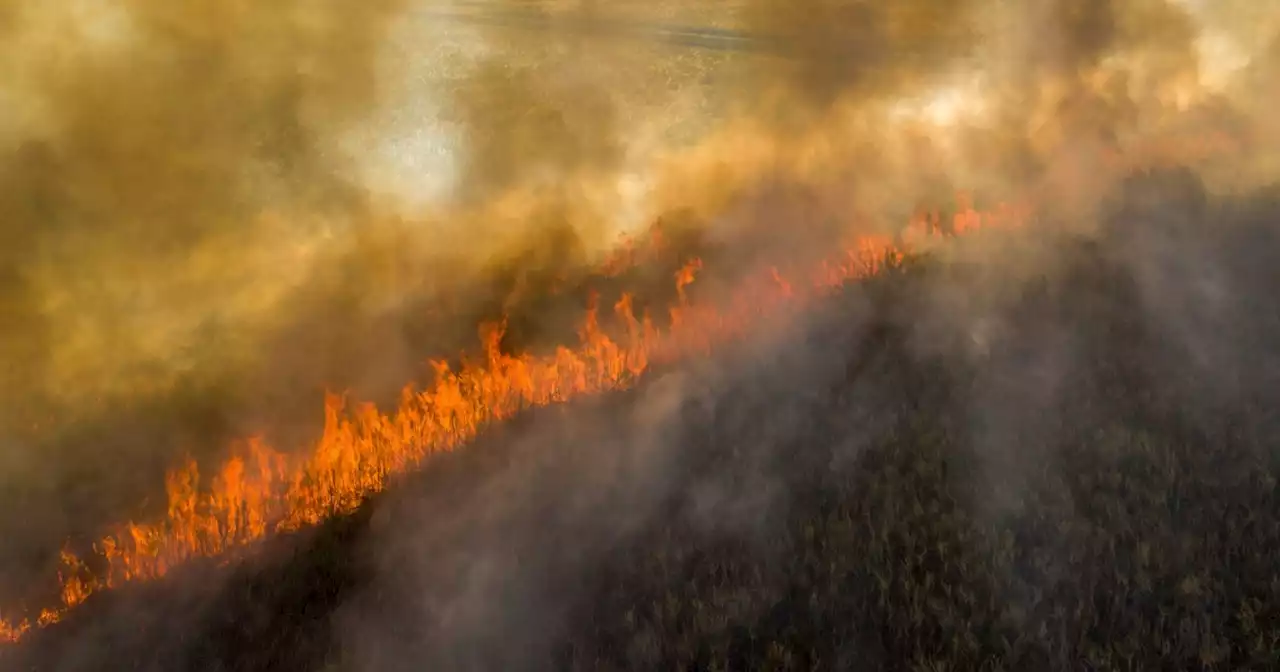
column 260, row 490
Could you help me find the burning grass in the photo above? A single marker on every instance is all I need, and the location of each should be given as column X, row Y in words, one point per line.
column 837, row 505
column 260, row 489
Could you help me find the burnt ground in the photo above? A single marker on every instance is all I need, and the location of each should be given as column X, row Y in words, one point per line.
column 938, row 470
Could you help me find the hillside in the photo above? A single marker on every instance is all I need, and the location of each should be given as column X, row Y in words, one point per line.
column 950, row 466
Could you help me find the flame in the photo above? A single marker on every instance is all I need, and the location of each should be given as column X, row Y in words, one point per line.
column 260, row 490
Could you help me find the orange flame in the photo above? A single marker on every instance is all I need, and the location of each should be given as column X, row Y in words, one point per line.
column 260, row 490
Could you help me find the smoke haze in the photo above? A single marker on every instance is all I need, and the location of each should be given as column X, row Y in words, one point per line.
column 200, row 236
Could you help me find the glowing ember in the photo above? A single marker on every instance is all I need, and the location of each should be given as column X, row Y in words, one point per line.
column 260, row 490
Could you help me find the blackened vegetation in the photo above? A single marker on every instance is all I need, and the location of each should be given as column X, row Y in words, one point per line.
column 1094, row 490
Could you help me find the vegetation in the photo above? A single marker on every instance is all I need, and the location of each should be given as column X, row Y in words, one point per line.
column 1085, row 493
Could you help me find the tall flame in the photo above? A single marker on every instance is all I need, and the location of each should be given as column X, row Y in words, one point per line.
column 260, row 490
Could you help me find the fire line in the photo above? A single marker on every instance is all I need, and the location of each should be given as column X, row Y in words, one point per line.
column 260, row 490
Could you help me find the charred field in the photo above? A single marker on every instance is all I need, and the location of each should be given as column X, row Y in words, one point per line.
column 1084, row 478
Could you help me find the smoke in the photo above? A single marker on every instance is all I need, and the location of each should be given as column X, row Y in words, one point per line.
column 1073, row 97
column 495, row 589
column 160, row 140
column 167, row 173
column 191, row 254
column 837, row 51
column 579, row 533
